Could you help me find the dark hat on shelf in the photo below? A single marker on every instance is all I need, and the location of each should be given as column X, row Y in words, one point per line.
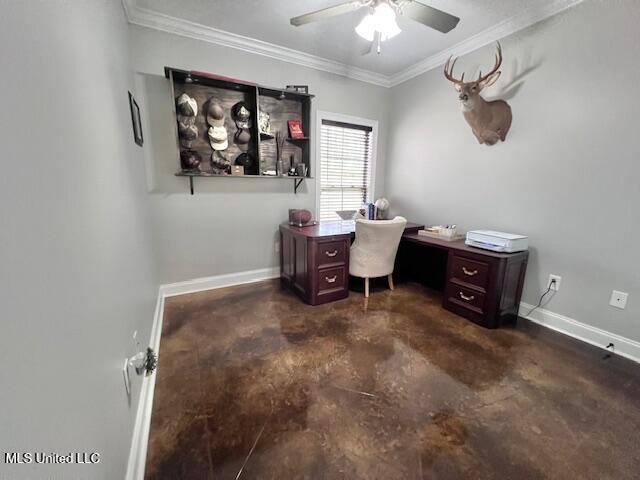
column 241, row 115
column 245, row 159
column 219, row 164
column 187, row 132
column 218, row 138
column 242, row 139
column 215, row 113
column 187, row 105
column 190, row 159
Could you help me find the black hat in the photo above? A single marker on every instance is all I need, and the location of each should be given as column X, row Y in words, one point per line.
column 190, row 159
column 241, row 115
column 242, row 139
column 244, row 159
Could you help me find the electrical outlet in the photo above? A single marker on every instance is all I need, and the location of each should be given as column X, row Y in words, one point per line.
column 556, row 286
column 618, row 299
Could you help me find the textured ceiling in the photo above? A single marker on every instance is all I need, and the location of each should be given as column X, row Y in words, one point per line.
column 335, row 39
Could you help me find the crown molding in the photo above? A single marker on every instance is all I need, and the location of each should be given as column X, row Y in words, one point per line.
column 507, row 27
column 166, row 23
column 147, row 18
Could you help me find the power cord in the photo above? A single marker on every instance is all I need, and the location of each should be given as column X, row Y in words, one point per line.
column 609, row 348
column 610, row 351
column 551, row 284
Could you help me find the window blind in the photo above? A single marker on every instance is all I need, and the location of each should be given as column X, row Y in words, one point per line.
column 345, row 167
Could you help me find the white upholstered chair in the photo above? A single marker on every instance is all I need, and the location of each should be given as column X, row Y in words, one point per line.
column 373, row 252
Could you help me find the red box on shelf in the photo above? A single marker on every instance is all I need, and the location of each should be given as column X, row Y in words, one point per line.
column 295, row 129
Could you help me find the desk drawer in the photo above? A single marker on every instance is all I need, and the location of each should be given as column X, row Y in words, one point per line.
column 464, row 297
column 332, row 280
column 470, row 271
column 330, row 253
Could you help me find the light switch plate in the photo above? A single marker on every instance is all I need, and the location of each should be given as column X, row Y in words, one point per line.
column 619, row 299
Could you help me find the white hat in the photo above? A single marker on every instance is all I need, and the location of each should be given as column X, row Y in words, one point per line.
column 187, row 105
column 218, row 138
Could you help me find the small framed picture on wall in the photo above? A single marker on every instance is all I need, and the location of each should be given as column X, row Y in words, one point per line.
column 135, row 119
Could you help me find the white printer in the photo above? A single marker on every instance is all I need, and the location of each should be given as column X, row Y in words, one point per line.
column 497, row 241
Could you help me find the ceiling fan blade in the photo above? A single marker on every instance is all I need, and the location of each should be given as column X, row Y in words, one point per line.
column 429, row 16
column 326, row 13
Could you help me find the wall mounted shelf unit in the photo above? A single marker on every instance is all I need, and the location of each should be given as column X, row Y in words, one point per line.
column 281, row 105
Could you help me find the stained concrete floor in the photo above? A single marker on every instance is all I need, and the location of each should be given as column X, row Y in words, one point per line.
column 254, row 384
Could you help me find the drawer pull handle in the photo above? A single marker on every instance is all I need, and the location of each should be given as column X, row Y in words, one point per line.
column 331, row 279
column 464, row 297
column 471, row 273
column 331, row 254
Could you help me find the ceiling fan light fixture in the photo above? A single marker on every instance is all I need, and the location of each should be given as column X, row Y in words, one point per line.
column 366, row 28
column 381, row 20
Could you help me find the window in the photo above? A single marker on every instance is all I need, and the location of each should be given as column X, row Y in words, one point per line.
column 346, row 163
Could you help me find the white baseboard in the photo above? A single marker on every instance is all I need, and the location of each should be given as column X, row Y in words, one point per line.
column 140, row 440
column 218, row 281
column 624, row 347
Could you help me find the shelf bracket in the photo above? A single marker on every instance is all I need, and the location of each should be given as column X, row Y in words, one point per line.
column 191, row 185
column 296, row 183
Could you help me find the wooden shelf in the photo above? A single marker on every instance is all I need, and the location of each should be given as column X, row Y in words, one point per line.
column 296, row 140
column 216, row 175
column 297, row 181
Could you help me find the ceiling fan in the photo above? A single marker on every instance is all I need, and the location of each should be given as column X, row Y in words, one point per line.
column 380, row 22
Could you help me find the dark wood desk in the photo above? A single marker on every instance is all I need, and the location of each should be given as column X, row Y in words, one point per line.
column 480, row 285
column 314, row 261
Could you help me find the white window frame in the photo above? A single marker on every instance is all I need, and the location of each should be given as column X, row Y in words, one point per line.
column 339, row 117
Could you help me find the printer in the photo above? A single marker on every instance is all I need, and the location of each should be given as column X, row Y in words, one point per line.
column 497, row 241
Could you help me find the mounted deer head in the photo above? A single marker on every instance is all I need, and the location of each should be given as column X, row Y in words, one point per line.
column 489, row 121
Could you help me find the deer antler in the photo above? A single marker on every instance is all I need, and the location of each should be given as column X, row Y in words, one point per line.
column 482, row 78
column 449, row 66
column 448, row 70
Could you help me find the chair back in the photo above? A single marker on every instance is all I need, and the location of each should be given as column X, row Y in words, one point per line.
column 373, row 252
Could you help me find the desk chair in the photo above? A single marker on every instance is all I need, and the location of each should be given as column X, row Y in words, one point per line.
column 373, row 252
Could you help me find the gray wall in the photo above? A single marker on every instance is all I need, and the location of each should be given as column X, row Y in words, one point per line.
column 568, row 173
column 77, row 276
column 229, row 225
